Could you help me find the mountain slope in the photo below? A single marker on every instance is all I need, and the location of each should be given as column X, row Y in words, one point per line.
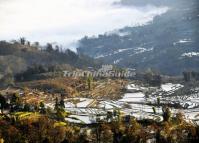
column 168, row 44
column 15, row 58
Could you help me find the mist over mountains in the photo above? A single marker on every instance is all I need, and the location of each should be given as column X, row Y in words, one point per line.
column 168, row 44
column 67, row 21
column 151, row 2
column 140, row 34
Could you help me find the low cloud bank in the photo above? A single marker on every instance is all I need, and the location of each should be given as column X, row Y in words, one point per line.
column 66, row 21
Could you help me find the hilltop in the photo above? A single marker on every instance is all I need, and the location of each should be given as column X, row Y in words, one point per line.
column 16, row 58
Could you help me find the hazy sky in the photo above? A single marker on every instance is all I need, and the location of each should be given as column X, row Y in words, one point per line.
column 66, row 21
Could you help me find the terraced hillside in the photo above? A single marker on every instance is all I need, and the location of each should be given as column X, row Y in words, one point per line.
column 168, row 44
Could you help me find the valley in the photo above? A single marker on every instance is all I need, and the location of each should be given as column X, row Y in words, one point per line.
column 99, row 71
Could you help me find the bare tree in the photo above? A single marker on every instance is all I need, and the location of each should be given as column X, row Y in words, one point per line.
column 22, row 40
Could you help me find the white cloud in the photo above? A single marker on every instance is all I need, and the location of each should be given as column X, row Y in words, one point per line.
column 66, row 21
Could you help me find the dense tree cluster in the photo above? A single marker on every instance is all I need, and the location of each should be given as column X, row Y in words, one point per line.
column 152, row 78
column 42, row 129
column 191, row 75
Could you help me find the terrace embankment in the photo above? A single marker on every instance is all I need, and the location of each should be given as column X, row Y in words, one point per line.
column 78, row 87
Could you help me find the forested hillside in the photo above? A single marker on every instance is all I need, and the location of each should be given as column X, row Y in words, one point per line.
column 17, row 57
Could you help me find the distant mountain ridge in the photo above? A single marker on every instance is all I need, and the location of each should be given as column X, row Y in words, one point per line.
column 169, row 44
